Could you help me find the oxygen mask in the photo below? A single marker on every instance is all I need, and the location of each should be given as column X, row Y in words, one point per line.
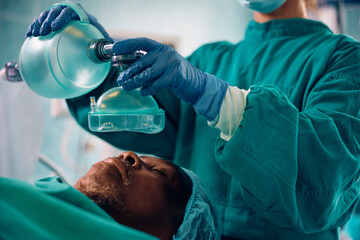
column 120, row 110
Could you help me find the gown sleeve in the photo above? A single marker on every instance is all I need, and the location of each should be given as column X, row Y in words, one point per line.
column 299, row 168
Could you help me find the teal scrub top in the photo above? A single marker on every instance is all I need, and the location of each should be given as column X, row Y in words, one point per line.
column 291, row 170
column 54, row 210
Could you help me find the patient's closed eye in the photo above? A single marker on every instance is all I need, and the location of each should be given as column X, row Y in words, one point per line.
column 158, row 171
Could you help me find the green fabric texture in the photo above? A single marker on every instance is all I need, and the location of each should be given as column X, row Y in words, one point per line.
column 291, row 170
column 54, row 210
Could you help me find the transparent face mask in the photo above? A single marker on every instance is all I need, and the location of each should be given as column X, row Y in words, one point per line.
column 120, row 110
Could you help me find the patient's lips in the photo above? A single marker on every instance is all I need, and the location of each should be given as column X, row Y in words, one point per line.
column 122, row 168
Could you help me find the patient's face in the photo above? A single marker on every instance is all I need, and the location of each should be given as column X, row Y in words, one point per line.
column 136, row 190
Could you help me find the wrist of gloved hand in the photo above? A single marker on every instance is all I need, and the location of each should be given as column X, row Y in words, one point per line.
column 231, row 112
column 209, row 102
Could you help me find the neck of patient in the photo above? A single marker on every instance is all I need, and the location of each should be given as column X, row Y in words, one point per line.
column 290, row 9
column 163, row 232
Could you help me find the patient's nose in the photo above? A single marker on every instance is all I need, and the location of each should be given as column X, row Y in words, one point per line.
column 131, row 158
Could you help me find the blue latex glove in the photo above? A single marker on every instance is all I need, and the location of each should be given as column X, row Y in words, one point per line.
column 162, row 67
column 57, row 17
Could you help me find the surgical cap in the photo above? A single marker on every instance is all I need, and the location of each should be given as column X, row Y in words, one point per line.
column 199, row 219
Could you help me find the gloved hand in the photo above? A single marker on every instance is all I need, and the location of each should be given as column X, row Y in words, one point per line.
column 57, row 17
column 162, row 67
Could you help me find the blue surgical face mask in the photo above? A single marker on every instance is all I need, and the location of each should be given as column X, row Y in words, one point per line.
column 262, row 6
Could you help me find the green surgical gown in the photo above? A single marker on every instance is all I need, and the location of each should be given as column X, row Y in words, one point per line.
column 54, row 210
column 291, row 170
